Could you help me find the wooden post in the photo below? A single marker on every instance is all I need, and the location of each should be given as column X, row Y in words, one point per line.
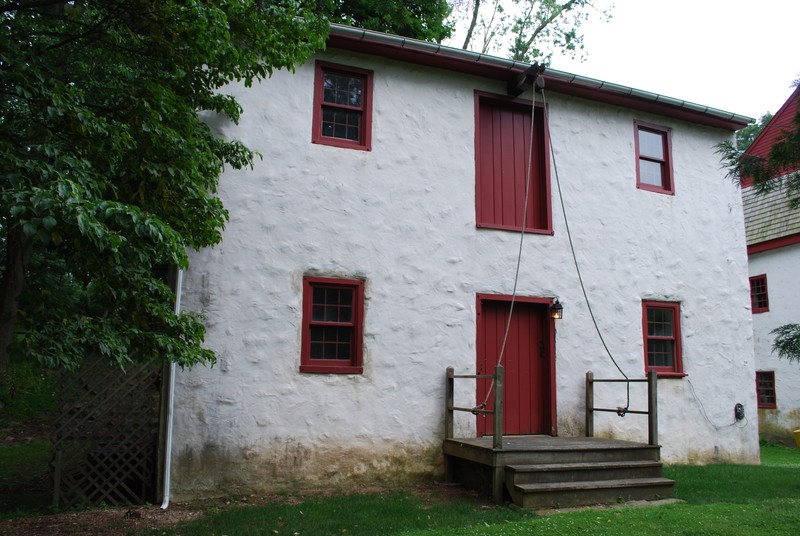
column 498, row 468
column 652, row 407
column 449, row 402
column 498, row 408
column 589, row 404
column 57, row 479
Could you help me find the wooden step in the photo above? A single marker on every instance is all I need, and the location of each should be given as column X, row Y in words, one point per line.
column 564, row 494
column 582, row 471
column 583, row 455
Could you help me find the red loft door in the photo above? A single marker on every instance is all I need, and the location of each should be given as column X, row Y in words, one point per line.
column 528, row 401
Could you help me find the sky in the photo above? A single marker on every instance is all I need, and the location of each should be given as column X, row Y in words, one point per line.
column 739, row 56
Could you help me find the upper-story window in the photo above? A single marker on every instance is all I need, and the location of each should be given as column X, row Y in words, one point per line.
column 759, row 298
column 342, row 106
column 505, row 145
column 653, row 158
column 661, row 327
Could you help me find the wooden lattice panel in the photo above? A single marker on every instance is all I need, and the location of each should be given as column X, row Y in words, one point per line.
column 105, row 438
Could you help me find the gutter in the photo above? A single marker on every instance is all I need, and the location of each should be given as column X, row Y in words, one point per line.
column 466, row 61
column 171, row 406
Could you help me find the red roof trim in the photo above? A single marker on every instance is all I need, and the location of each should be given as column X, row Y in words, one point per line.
column 781, row 121
column 432, row 55
column 774, row 244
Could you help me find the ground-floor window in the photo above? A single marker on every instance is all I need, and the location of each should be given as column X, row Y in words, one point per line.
column 765, row 389
column 661, row 327
column 333, row 311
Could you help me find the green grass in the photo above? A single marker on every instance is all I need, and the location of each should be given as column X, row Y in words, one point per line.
column 26, row 400
column 351, row 515
column 26, row 392
column 719, row 500
column 24, row 485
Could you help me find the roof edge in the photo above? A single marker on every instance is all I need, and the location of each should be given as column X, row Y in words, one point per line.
column 467, row 61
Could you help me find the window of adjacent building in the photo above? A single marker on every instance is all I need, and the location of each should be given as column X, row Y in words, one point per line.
column 661, row 326
column 342, row 106
column 759, row 298
column 504, row 146
column 765, row 389
column 333, row 311
column 653, row 158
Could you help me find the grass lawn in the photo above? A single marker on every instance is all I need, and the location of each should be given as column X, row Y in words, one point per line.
column 719, row 500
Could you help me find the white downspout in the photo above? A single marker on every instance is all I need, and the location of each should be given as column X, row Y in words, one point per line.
column 171, row 405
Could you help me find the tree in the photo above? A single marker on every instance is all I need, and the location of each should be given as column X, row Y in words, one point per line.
column 537, row 27
column 109, row 173
column 745, row 136
column 420, row 19
column 779, row 169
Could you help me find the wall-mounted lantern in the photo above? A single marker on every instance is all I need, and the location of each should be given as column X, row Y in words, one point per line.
column 557, row 310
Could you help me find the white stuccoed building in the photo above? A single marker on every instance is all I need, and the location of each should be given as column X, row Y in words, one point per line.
column 375, row 243
column 773, row 246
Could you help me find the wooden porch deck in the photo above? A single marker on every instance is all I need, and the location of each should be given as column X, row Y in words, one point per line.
column 544, row 471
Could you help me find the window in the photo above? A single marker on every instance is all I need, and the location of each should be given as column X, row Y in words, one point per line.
column 503, row 148
column 661, row 325
column 759, row 299
column 765, row 389
column 342, row 106
column 333, row 311
column 653, row 158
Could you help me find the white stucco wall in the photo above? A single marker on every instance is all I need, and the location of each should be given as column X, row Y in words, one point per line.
column 780, row 266
column 402, row 216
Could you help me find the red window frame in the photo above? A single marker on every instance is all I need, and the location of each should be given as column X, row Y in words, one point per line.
column 645, row 159
column 500, row 177
column 759, row 296
column 765, row 389
column 363, row 110
column 653, row 340
column 332, row 325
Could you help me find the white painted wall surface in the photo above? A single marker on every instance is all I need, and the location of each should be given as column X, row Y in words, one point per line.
column 780, row 266
column 402, row 216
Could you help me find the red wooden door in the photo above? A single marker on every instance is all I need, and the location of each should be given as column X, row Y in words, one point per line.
column 527, row 393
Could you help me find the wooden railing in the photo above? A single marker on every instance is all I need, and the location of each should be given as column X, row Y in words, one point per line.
column 497, row 412
column 652, row 404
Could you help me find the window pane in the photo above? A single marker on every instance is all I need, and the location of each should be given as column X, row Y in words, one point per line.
column 651, row 172
column 651, row 144
column 331, row 342
column 344, row 124
column 659, row 353
column 659, row 322
column 332, row 305
column 341, row 89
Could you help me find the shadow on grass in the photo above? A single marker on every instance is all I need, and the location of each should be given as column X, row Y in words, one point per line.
column 24, row 480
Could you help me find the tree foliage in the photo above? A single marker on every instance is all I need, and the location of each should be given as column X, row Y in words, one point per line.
column 747, row 135
column 779, row 169
column 787, row 342
column 531, row 29
column 109, row 175
column 421, row 19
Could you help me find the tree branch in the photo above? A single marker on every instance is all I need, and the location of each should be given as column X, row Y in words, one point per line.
column 472, row 24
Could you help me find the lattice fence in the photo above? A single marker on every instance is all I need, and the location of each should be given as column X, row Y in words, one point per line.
column 106, row 435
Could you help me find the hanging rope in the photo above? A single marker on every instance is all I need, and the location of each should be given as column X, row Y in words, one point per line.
column 621, row 411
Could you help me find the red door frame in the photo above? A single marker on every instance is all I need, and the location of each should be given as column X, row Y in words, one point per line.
column 551, row 345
